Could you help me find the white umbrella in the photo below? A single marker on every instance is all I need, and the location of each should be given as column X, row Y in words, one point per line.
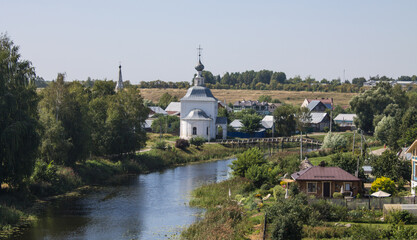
column 286, row 193
column 341, row 190
column 380, row 194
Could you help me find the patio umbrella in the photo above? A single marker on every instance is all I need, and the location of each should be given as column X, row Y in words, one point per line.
column 380, row 194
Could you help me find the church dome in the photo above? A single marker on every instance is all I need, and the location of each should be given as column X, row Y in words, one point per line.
column 197, row 114
column 199, row 67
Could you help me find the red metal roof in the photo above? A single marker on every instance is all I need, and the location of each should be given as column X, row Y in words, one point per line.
column 324, row 173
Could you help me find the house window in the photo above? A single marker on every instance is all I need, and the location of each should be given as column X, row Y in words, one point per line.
column 194, row 131
column 311, row 187
column 348, row 186
column 415, row 169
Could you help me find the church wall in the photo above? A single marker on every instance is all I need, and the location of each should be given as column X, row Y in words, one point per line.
column 201, row 125
column 210, row 108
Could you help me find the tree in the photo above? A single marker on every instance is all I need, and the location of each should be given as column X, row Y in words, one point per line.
column 384, row 184
column 166, row 124
column 19, row 139
column 265, row 98
column 247, row 159
column 387, row 131
column 166, row 99
column 68, row 103
column 348, row 162
column 251, row 123
column 197, row 141
column 334, row 141
column 303, row 117
column 125, row 119
column 389, row 165
column 285, row 120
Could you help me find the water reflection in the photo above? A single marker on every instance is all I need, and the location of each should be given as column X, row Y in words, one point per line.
column 148, row 206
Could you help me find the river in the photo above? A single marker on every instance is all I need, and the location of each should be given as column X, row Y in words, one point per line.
column 147, row 206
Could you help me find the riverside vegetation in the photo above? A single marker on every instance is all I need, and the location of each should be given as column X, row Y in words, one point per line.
column 241, row 215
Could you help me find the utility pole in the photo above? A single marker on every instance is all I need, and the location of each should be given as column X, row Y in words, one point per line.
column 301, row 146
column 353, row 147
column 361, row 143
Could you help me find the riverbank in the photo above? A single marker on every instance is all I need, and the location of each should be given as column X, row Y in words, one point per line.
column 18, row 210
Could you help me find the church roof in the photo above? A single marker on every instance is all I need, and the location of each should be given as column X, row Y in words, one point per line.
column 199, row 93
column 221, row 120
column 197, row 114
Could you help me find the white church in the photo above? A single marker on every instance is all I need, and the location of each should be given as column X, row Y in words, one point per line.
column 199, row 110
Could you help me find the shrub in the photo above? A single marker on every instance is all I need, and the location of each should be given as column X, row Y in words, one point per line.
column 334, row 141
column 287, row 227
column 257, row 174
column 337, row 195
column 399, row 216
column 182, row 144
column 197, row 141
column 384, row 184
column 247, row 159
column 161, row 145
column 328, row 212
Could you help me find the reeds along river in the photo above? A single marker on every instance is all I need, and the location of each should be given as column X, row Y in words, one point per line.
column 148, row 206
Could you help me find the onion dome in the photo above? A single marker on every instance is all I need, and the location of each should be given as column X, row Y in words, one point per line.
column 199, row 67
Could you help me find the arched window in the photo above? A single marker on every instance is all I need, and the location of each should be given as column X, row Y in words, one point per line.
column 194, row 131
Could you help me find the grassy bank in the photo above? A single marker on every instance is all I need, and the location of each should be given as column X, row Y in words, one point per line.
column 49, row 182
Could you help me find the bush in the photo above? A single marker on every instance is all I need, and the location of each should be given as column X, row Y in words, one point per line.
column 161, row 145
column 257, row 174
column 384, row 184
column 334, row 141
column 182, row 144
column 287, row 227
column 396, row 217
column 197, row 141
column 337, row 195
column 247, row 159
column 326, row 211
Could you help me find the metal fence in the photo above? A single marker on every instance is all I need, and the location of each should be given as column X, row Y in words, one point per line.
column 367, row 203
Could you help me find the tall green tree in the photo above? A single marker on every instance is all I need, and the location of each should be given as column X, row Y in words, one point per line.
column 166, row 99
column 18, row 115
column 125, row 120
column 285, row 120
column 68, row 103
column 251, row 123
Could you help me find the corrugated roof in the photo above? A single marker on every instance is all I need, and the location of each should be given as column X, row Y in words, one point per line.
column 199, row 93
column 345, row 117
column 158, row 110
column 324, row 173
column 236, row 123
column 268, row 121
column 313, row 104
column 174, row 107
column 317, row 117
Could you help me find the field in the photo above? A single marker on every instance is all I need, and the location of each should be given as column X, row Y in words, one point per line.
column 232, row 95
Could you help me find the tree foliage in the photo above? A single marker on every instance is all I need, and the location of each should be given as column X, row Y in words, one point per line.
column 285, row 120
column 384, row 184
column 18, row 115
column 251, row 123
column 389, row 165
column 247, row 159
column 334, row 141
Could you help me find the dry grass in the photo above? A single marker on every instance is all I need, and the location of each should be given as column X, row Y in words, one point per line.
column 232, row 95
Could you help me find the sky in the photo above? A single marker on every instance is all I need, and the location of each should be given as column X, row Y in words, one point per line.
column 158, row 39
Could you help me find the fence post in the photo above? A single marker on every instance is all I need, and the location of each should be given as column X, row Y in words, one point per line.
column 369, row 203
column 264, row 235
column 345, row 202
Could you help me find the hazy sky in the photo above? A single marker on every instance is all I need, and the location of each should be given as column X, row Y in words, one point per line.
column 158, row 39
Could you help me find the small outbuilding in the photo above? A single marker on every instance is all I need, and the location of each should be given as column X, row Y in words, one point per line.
column 324, row 181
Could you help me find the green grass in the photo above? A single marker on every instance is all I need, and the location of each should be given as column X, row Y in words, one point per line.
column 316, row 160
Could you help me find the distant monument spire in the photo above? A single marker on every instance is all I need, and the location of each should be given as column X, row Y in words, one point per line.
column 119, row 85
column 199, row 80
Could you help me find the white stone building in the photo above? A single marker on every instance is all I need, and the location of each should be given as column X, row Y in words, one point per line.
column 199, row 110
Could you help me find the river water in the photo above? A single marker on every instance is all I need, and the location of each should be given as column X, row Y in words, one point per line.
column 147, row 206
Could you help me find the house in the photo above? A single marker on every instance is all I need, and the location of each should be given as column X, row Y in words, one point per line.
column 324, row 181
column 316, row 106
column 173, row 108
column 148, row 125
column 345, row 120
column 262, row 108
column 156, row 110
column 273, row 106
column 413, row 150
column 328, row 102
column 319, row 120
column 236, row 124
